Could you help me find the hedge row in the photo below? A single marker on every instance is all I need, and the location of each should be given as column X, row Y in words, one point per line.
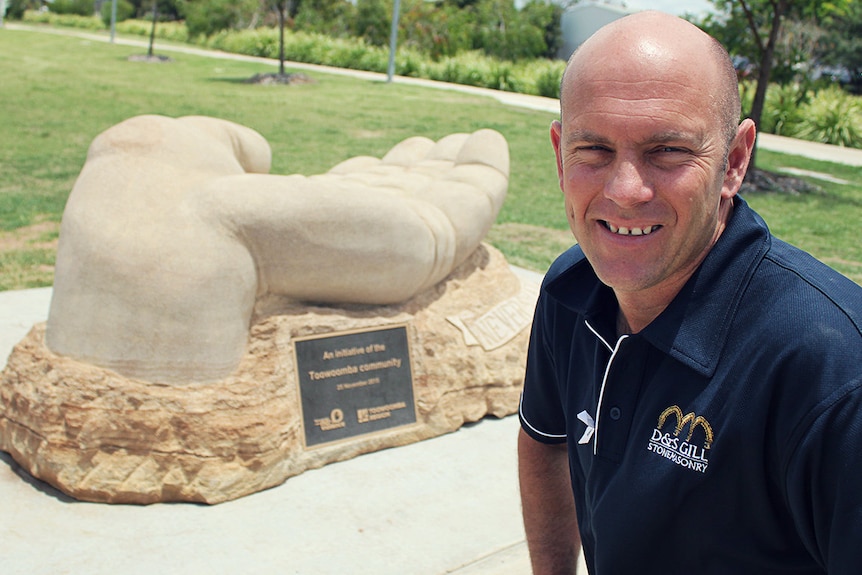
column 537, row 77
column 828, row 115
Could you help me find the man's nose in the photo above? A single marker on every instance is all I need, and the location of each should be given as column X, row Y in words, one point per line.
column 627, row 187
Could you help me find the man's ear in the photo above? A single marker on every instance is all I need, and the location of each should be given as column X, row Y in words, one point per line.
column 556, row 136
column 738, row 157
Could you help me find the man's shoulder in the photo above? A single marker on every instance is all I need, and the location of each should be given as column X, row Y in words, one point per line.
column 799, row 279
column 779, row 284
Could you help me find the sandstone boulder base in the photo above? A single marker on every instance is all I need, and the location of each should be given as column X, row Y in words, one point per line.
column 100, row 436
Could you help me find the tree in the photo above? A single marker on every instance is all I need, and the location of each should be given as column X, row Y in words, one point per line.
column 207, row 17
column 153, row 27
column 331, row 17
column 167, row 9
column 545, row 16
column 439, row 30
column 287, row 9
column 15, row 8
column 374, row 20
column 283, row 6
column 841, row 47
column 756, row 26
column 762, row 19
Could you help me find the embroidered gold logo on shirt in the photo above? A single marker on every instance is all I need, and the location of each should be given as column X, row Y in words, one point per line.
column 681, row 420
column 684, row 453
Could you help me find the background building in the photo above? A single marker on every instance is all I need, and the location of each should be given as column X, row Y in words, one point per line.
column 581, row 20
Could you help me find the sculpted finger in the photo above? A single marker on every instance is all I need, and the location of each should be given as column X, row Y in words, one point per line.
column 481, row 161
column 354, row 165
column 250, row 149
column 447, row 148
column 468, row 208
column 408, row 152
column 310, row 244
column 485, row 147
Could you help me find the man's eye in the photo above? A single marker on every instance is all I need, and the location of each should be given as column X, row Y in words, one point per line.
column 591, row 151
column 591, row 155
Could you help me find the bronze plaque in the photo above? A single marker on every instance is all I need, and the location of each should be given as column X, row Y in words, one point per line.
column 354, row 383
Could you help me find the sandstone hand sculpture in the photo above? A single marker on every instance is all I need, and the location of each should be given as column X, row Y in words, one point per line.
column 174, row 229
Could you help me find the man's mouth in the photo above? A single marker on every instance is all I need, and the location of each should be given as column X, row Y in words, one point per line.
column 632, row 231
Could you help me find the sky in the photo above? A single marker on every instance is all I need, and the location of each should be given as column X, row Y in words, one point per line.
column 678, row 7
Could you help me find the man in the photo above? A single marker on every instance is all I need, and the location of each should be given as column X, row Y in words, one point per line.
column 694, row 381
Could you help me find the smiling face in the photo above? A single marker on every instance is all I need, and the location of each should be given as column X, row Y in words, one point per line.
column 642, row 154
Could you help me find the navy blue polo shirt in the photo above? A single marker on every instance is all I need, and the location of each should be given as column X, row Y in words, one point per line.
column 726, row 437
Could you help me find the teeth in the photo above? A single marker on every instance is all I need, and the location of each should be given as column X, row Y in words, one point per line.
column 623, row 231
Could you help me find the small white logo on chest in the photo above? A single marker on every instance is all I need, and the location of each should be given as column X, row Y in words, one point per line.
column 587, row 420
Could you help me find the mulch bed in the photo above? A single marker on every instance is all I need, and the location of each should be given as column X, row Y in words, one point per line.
column 274, row 78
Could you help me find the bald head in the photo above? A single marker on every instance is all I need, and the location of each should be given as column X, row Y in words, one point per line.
column 653, row 45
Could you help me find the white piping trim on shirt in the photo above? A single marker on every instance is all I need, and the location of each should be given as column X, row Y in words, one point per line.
column 614, row 351
column 530, row 425
column 595, row 333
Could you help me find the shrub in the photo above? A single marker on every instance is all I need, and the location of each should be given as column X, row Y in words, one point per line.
column 172, row 31
column 125, row 10
column 409, row 63
column 370, row 21
column 77, row 7
column 781, row 111
column 833, row 117
column 301, row 48
column 262, row 42
column 345, row 54
column 503, row 77
column 15, row 8
column 67, row 20
column 548, row 78
column 517, row 41
column 212, row 16
column 468, row 68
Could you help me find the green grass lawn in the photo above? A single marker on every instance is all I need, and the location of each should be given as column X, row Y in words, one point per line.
column 59, row 92
column 826, row 224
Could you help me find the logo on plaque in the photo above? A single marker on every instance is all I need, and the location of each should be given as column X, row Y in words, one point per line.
column 354, row 383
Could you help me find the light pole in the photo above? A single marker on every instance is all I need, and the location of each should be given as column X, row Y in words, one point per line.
column 113, row 19
column 393, row 41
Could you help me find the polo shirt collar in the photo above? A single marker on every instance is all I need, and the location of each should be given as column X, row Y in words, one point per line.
column 694, row 327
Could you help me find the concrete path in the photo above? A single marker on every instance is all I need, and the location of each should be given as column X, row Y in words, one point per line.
column 444, row 505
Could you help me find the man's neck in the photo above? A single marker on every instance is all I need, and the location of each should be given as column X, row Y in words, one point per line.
column 637, row 310
column 623, row 327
